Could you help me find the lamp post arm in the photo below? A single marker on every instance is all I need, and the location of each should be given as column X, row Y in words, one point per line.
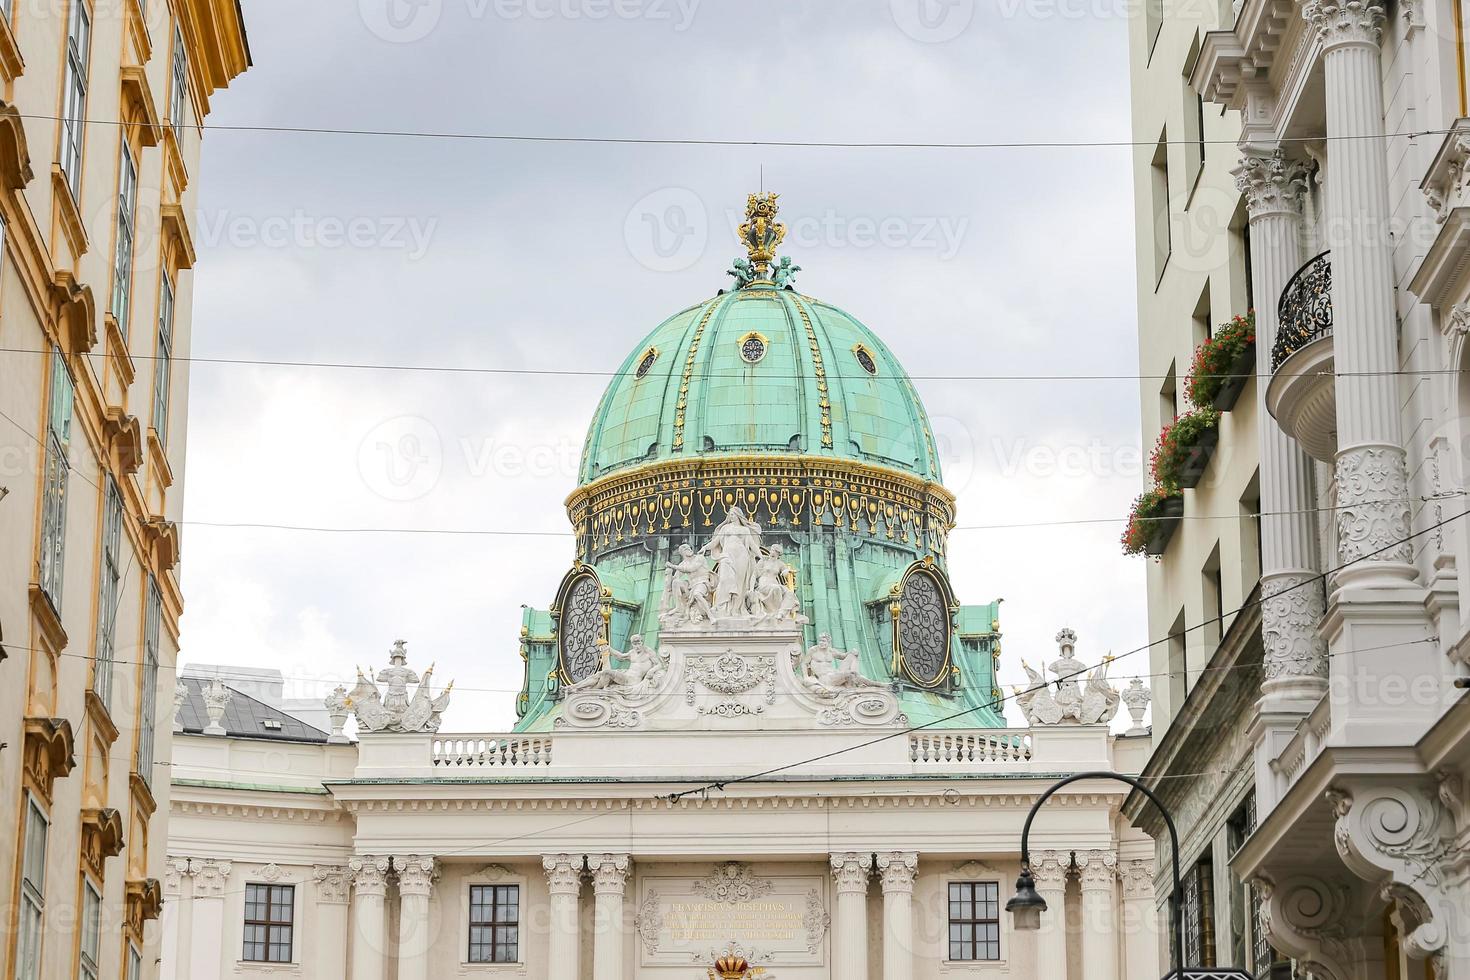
column 1175, row 899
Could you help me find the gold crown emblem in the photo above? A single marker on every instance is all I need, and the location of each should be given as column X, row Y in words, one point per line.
column 761, row 232
column 733, row 968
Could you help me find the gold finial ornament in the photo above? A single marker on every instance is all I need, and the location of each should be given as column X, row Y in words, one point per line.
column 761, row 232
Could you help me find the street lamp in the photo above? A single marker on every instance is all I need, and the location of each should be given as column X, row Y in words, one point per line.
column 1027, row 905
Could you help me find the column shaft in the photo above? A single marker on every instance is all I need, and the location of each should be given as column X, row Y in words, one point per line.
column 898, row 869
column 1099, row 874
column 369, row 919
column 1142, row 939
column 330, row 939
column 416, row 874
column 1051, row 943
column 850, row 872
column 564, row 879
column 206, row 950
column 609, row 879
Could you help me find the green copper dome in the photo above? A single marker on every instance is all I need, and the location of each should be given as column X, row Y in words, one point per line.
column 785, row 408
column 760, row 370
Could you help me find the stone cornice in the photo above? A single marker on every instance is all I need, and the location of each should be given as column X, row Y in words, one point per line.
column 898, row 801
column 1192, row 735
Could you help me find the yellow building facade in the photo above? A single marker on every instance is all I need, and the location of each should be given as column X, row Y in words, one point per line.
column 100, row 130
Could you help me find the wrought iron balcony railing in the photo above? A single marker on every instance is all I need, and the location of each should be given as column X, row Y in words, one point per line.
column 1305, row 310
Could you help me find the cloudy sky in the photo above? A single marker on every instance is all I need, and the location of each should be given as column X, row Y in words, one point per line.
column 540, row 256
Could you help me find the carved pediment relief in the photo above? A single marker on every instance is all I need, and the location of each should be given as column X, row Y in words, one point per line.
column 49, row 752
column 15, row 159
column 124, row 435
column 163, row 537
column 102, row 837
column 76, row 311
column 144, row 901
column 976, row 869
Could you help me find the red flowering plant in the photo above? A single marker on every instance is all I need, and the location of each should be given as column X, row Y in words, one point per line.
column 1216, row 360
column 1180, row 444
column 1143, row 518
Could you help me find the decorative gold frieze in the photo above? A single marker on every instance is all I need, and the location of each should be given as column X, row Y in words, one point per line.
column 683, row 405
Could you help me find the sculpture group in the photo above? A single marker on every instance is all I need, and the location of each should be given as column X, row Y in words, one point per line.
column 828, row 672
column 643, row 675
column 394, row 709
column 732, row 582
column 1046, row 702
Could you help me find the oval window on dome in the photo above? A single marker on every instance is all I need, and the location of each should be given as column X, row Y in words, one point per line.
column 865, row 359
column 580, row 626
column 923, row 629
column 646, row 363
column 752, row 348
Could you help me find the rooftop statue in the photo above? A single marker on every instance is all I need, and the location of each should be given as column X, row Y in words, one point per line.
column 395, row 710
column 747, row 587
column 1064, row 700
column 643, row 675
column 828, row 672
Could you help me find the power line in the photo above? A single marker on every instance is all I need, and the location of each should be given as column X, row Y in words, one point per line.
column 696, row 141
column 997, row 702
column 699, row 375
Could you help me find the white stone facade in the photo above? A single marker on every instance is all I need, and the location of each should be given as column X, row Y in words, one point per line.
column 840, row 867
column 1356, row 851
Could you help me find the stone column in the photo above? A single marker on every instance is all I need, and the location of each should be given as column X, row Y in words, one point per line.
column 1143, row 943
column 1372, row 477
column 175, row 905
column 206, row 950
column 564, row 879
column 609, row 879
column 1049, row 869
column 1099, row 874
column 330, row 938
column 898, row 869
column 369, row 932
column 850, row 872
column 416, row 875
column 1295, row 663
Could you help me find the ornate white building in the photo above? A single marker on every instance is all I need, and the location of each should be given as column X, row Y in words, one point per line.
column 758, row 732
column 1348, row 746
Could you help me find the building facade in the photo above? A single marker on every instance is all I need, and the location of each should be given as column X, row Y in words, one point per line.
column 1352, row 858
column 100, row 129
column 758, row 731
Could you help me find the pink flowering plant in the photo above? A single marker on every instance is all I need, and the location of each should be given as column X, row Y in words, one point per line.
column 1143, row 517
column 1215, row 360
column 1177, row 443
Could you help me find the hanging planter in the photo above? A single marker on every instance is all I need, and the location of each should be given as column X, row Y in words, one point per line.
column 1155, row 517
column 1184, row 450
column 1223, row 364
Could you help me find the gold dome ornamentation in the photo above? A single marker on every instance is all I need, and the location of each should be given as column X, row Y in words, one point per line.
column 761, row 232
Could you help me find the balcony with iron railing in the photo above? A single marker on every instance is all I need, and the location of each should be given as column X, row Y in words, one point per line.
column 1302, row 395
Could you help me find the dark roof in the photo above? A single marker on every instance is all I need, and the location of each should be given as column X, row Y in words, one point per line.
column 245, row 717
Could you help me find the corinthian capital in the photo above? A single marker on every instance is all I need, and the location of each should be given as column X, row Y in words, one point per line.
column 1049, row 869
column 563, row 873
column 1271, row 182
column 898, row 869
column 609, row 873
column 1097, row 869
column 369, row 874
column 1341, row 22
column 850, row 871
column 416, row 873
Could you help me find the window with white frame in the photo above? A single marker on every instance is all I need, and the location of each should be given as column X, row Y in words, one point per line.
column 127, row 222
column 270, row 913
column 152, row 621
column 178, row 97
column 163, row 359
column 495, row 923
column 974, row 920
column 57, row 476
column 87, row 969
column 135, row 963
column 109, row 574
column 32, row 891
column 74, row 109
column 1199, row 915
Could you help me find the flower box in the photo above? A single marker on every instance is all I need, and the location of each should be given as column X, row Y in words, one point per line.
column 1155, row 517
column 1184, row 449
column 1223, row 364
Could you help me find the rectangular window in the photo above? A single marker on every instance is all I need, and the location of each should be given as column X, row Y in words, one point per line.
column 127, row 221
column 152, row 619
column 1159, row 198
column 91, row 933
column 495, row 923
column 269, row 919
column 108, row 576
column 163, row 360
column 58, row 473
column 179, row 88
column 1199, row 915
column 135, row 963
column 32, row 892
column 74, row 111
column 974, row 920
column 1178, row 666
